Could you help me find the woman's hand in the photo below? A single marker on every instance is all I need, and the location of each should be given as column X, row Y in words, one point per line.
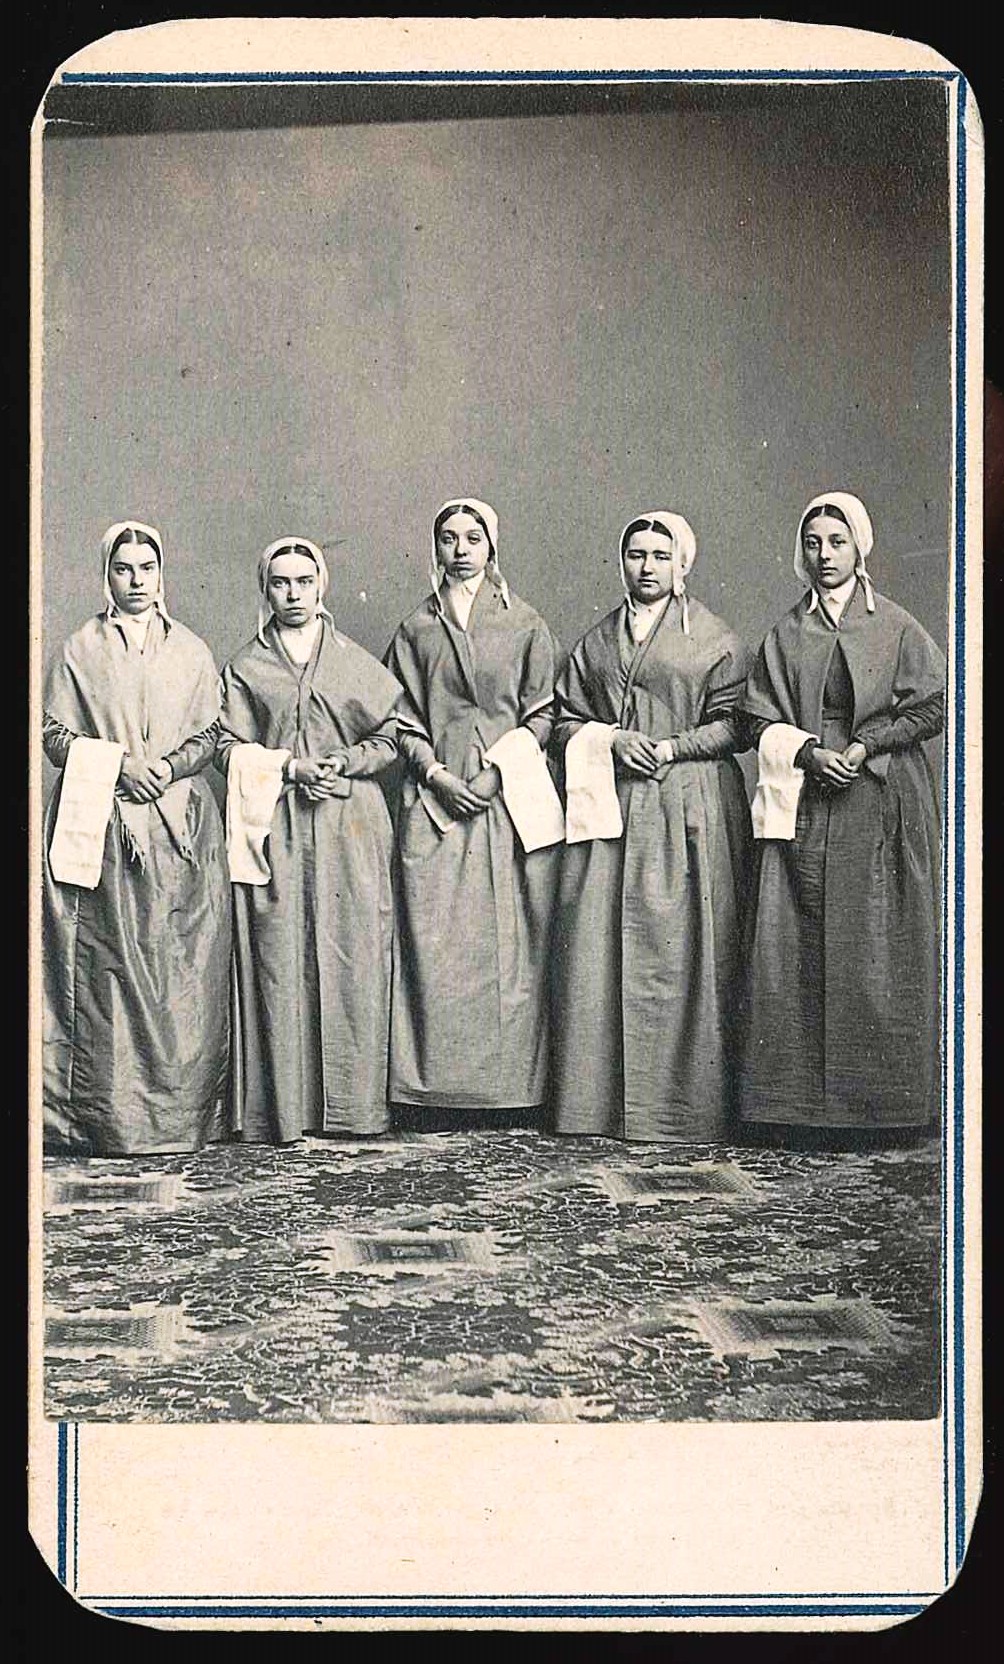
column 315, row 776
column 487, row 784
column 138, row 781
column 855, row 755
column 833, row 767
column 456, row 795
column 635, row 751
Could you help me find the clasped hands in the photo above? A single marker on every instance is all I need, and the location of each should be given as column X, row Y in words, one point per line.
column 143, row 782
column 315, row 777
column 465, row 798
column 837, row 768
column 640, row 754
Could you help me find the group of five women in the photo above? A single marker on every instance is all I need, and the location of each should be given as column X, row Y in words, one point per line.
column 483, row 877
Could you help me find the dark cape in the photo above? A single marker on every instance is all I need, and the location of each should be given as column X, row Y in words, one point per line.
column 842, row 1007
column 135, row 971
column 648, row 926
column 312, row 947
column 469, row 1025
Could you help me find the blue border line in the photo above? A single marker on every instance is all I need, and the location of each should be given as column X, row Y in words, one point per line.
column 76, row 1498
column 834, row 1597
column 278, row 77
column 959, row 841
column 61, row 1436
column 513, row 1609
column 893, row 1606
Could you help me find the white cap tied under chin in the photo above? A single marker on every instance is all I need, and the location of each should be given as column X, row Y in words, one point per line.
column 144, row 534
column 860, row 527
column 290, row 546
column 485, row 512
column 684, row 546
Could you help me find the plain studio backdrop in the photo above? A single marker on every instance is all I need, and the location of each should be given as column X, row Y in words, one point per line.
column 303, row 310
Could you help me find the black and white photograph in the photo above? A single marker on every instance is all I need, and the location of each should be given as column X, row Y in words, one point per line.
column 498, row 547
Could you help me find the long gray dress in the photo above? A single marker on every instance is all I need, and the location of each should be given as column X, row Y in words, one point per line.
column 135, row 971
column 469, row 1027
column 648, row 926
column 312, row 947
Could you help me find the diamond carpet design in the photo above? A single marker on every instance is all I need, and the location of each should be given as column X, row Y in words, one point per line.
column 493, row 1276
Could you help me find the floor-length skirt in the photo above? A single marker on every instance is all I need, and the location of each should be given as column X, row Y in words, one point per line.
column 312, row 960
column 842, row 999
column 469, row 1012
column 646, row 958
column 135, row 994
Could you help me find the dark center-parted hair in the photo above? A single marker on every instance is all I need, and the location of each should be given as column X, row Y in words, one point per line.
column 821, row 512
column 450, row 510
column 293, row 548
column 131, row 535
column 645, row 526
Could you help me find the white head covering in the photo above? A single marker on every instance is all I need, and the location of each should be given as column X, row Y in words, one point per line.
column 460, row 505
column 288, row 546
column 681, row 536
column 144, row 534
column 859, row 523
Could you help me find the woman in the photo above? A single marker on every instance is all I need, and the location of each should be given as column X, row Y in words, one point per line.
column 648, row 923
column 306, row 729
column 136, row 902
column 477, row 664
column 843, row 961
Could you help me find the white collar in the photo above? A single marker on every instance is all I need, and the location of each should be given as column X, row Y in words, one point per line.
column 135, row 625
column 833, row 602
column 469, row 586
column 299, row 644
column 649, row 606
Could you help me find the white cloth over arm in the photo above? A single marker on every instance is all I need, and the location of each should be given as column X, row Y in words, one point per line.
column 85, row 808
column 254, row 786
column 779, row 782
column 528, row 791
column 592, row 809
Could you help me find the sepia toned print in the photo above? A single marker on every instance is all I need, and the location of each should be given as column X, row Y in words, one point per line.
column 511, row 990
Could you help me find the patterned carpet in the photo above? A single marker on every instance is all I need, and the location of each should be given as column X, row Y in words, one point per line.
column 493, row 1276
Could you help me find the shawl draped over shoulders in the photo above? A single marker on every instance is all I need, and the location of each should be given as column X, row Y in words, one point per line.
column 842, row 1003
column 135, row 971
column 469, row 1027
column 647, row 931
column 312, row 947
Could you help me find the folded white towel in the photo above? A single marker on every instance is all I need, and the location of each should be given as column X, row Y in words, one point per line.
column 779, row 782
column 254, row 786
column 85, row 808
column 592, row 809
column 528, row 791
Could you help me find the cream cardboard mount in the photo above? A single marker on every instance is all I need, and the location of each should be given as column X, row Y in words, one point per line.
column 755, row 1525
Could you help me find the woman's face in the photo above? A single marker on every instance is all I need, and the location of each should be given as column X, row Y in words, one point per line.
column 134, row 577
column 293, row 590
column 829, row 551
column 462, row 546
column 648, row 565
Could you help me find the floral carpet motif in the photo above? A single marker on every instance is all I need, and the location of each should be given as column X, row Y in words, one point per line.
column 493, row 1276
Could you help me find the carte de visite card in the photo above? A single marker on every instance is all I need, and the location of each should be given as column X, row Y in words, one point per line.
column 536, row 1189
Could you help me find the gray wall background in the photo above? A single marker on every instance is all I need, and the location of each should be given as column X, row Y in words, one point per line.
column 719, row 307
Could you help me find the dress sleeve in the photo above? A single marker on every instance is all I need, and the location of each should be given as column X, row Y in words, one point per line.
column 536, row 694
column 373, row 755
column 918, row 698
column 923, row 721
column 194, row 754
column 56, row 740
column 722, row 729
column 413, row 742
column 571, row 701
column 237, row 724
